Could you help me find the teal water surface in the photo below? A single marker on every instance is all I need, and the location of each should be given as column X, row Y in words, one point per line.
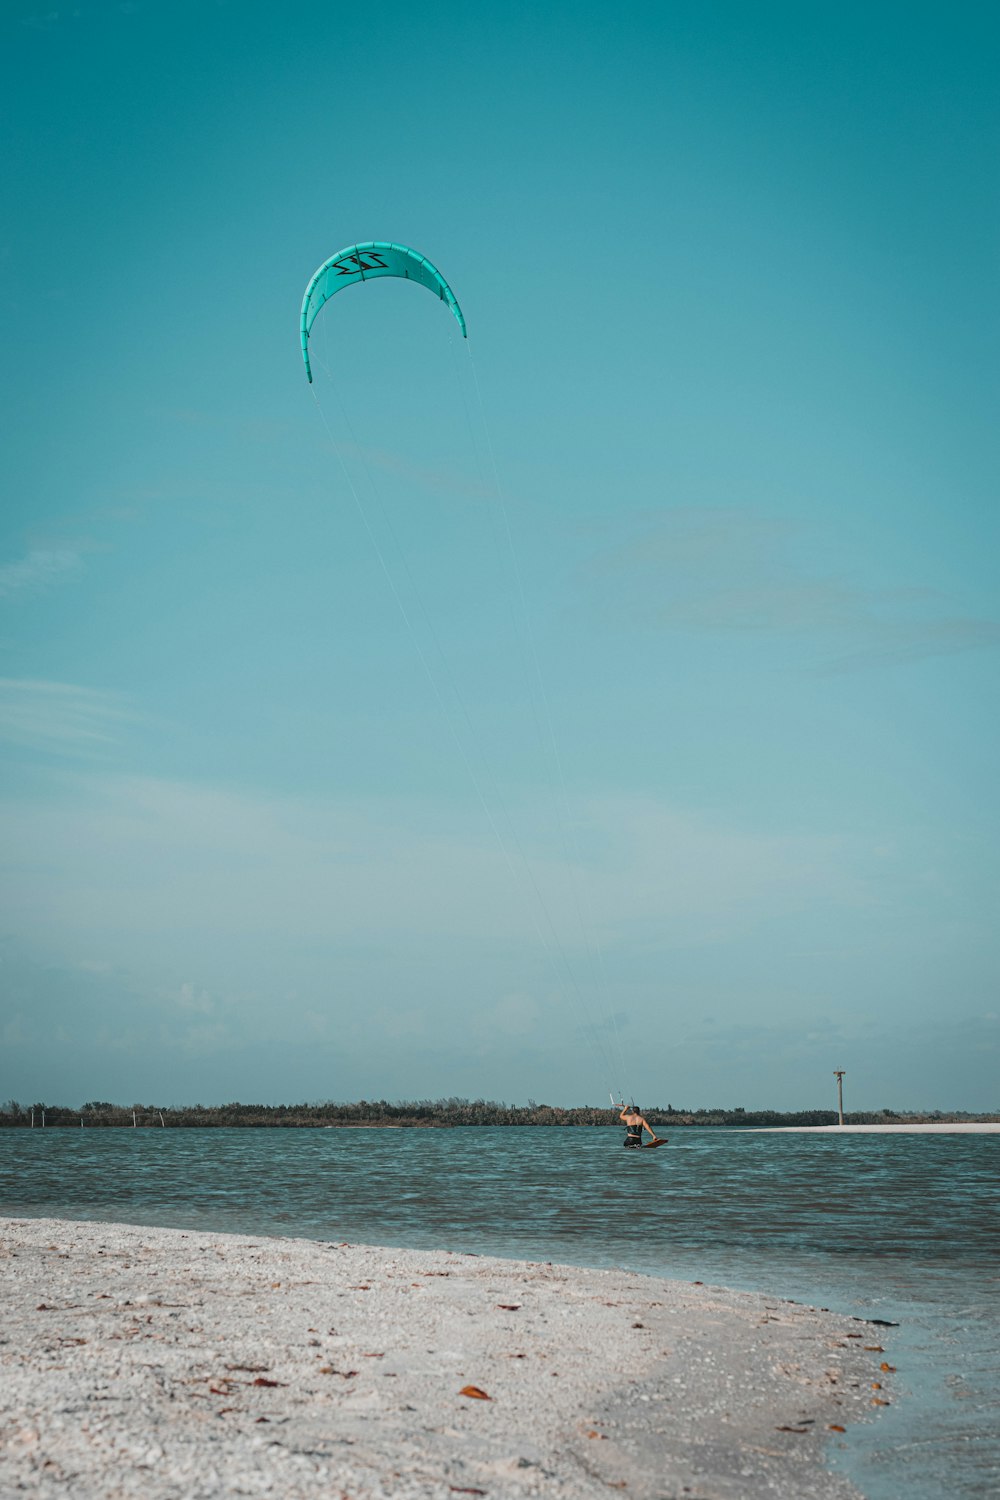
column 899, row 1227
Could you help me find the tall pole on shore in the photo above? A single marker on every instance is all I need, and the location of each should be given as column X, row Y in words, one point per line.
column 838, row 1073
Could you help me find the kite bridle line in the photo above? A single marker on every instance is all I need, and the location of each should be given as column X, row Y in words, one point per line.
column 549, row 743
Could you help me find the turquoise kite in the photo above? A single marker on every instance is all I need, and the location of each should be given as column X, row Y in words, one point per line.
column 363, row 263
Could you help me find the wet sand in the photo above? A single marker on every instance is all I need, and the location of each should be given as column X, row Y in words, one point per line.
column 161, row 1363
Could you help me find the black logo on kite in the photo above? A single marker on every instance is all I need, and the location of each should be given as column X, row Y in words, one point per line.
column 367, row 260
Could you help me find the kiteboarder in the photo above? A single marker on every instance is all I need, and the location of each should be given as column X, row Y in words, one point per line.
column 634, row 1125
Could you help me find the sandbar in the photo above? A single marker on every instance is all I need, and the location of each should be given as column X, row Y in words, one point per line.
column 984, row 1127
column 173, row 1365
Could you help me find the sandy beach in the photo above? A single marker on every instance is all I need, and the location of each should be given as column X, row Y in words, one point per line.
column 162, row 1363
column 991, row 1127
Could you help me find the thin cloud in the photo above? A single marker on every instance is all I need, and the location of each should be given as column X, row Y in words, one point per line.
column 206, row 863
column 37, row 570
column 896, row 642
column 725, row 571
column 48, row 20
column 58, row 716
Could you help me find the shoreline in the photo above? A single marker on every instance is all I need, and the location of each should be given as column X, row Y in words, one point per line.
column 165, row 1363
column 958, row 1128
column 973, row 1127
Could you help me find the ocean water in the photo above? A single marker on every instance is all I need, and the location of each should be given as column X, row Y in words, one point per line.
column 904, row 1228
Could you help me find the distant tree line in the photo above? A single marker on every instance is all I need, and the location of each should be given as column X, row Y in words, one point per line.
column 431, row 1114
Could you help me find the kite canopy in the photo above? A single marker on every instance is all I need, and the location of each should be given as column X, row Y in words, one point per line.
column 363, row 263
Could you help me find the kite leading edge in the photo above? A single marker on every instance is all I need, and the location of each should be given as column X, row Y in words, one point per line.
column 363, row 263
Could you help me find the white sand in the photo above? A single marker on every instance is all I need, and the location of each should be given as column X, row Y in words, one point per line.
column 991, row 1127
column 156, row 1363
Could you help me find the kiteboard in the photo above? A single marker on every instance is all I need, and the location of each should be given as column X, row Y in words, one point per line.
column 661, row 1140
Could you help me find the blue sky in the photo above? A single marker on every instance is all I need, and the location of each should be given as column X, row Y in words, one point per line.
column 337, row 763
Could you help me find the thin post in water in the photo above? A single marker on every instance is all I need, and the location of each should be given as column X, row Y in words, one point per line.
column 838, row 1073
